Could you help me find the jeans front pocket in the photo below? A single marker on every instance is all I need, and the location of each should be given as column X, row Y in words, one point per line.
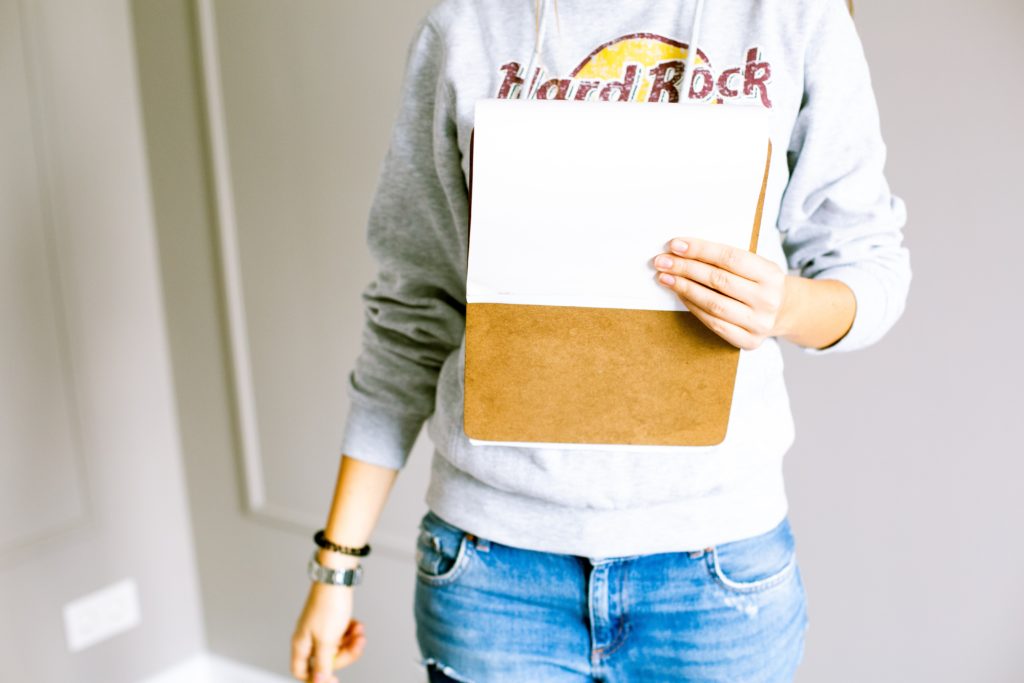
column 754, row 564
column 443, row 551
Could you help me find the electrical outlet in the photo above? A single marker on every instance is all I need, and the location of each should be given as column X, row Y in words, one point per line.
column 99, row 615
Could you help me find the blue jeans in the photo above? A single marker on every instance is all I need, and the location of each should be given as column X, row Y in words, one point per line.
column 492, row 613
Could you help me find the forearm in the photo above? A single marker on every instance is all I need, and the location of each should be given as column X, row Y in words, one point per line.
column 815, row 313
column 361, row 490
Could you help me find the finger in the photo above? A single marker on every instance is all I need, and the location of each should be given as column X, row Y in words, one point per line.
column 323, row 665
column 350, row 651
column 353, row 634
column 354, row 630
column 738, row 261
column 713, row 277
column 302, row 646
column 714, row 303
column 733, row 334
column 322, row 678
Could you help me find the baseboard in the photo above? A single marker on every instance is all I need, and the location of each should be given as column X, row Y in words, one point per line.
column 210, row 668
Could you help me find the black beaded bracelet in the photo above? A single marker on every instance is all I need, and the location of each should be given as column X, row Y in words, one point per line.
column 321, row 540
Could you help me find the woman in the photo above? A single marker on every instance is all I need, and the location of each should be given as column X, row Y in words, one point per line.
column 540, row 564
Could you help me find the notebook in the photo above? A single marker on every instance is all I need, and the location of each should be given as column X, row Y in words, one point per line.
column 570, row 341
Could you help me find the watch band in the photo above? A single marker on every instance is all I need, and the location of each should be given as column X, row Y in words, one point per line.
column 336, row 577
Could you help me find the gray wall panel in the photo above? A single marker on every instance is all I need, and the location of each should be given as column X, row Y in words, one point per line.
column 40, row 472
column 86, row 397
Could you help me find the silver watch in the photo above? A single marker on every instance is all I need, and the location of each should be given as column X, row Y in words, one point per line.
column 336, row 577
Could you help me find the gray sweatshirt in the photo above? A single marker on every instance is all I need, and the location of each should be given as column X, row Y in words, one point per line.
column 828, row 213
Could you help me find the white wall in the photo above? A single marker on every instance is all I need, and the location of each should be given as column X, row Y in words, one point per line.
column 91, row 483
column 905, row 479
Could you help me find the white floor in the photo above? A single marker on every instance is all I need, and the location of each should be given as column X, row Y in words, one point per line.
column 208, row 668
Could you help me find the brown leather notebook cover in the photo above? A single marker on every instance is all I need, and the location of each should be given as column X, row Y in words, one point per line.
column 560, row 374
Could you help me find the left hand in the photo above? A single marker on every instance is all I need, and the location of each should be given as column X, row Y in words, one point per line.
column 739, row 295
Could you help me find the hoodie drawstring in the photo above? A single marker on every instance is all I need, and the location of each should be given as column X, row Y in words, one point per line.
column 528, row 78
column 691, row 51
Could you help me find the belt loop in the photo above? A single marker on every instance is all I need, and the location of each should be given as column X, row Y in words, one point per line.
column 481, row 544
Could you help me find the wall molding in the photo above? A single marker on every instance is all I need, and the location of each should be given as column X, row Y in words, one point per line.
column 257, row 505
column 244, row 396
column 37, row 85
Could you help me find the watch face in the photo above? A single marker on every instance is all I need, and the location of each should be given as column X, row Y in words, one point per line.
column 322, row 574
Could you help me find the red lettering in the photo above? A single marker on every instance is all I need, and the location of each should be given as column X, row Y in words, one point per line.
column 666, row 79
column 756, row 76
column 512, row 80
column 560, row 86
column 538, row 76
column 586, row 88
column 707, row 84
column 723, row 83
column 667, row 76
column 626, row 88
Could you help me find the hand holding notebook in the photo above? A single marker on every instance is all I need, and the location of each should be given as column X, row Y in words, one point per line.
column 735, row 293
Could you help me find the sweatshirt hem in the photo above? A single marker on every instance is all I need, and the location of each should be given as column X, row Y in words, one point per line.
column 747, row 509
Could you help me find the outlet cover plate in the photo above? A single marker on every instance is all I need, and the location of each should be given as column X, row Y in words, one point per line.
column 101, row 614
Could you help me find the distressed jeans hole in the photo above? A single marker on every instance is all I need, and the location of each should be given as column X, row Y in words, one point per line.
column 444, row 669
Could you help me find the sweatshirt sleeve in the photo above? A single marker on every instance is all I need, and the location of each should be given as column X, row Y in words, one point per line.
column 415, row 305
column 838, row 219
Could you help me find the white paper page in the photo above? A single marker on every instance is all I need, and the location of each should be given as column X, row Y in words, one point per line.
column 573, row 200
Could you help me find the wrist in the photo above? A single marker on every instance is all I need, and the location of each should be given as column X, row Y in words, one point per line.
column 329, row 588
column 336, row 560
column 785, row 324
column 815, row 313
